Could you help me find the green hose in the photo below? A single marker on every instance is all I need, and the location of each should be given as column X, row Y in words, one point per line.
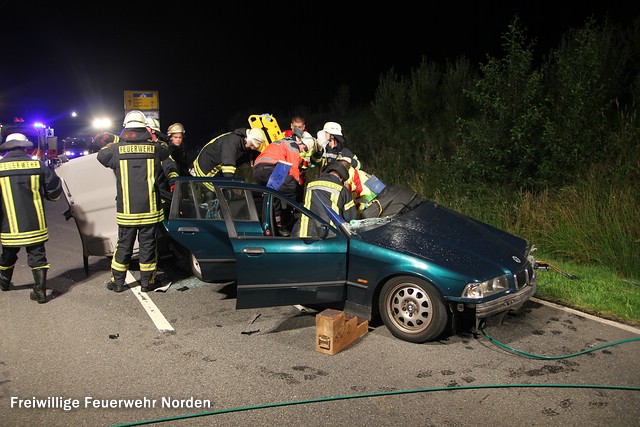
column 386, row 393
column 566, row 356
column 421, row 390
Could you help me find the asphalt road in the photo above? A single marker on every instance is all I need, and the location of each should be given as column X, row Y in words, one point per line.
column 170, row 352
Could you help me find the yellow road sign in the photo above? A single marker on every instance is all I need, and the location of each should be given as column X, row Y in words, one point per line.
column 141, row 100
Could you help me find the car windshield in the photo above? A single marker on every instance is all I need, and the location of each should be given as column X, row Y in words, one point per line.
column 360, row 225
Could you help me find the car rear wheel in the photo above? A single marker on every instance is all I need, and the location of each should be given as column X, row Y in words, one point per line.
column 412, row 309
column 183, row 258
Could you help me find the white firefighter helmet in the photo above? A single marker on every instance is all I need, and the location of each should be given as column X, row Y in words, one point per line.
column 15, row 140
column 153, row 123
column 333, row 128
column 135, row 119
column 176, row 128
column 256, row 137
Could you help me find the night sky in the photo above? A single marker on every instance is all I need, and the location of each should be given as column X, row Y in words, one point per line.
column 209, row 65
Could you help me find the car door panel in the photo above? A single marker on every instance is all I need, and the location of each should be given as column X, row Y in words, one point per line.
column 196, row 223
column 275, row 271
column 227, row 226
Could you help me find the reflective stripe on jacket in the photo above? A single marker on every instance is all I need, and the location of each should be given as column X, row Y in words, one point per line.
column 223, row 155
column 328, row 191
column 138, row 169
column 24, row 183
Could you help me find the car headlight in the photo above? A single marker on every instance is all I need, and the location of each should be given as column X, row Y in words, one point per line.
column 477, row 290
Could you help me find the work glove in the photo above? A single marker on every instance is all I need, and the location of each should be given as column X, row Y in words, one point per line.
column 322, row 138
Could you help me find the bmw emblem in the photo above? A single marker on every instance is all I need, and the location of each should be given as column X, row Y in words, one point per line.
column 516, row 259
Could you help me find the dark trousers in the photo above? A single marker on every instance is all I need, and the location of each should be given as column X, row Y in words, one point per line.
column 262, row 173
column 147, row 236
column 290, row 187
column 36, row 256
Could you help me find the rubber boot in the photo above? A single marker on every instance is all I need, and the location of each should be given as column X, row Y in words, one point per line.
column 39, row 289
column 116, row 284
column 5, row 278
column 115, row 288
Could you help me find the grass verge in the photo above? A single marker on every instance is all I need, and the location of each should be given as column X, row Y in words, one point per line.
column 591, row 289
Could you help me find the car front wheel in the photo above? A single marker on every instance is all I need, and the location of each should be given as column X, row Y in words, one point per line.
column 412, row 309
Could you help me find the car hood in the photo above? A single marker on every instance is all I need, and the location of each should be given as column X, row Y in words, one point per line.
column 450, row 239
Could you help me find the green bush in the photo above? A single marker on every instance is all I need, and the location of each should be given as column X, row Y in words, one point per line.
column 547, row 148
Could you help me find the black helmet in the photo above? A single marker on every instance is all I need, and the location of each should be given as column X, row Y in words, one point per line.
column 338, row 167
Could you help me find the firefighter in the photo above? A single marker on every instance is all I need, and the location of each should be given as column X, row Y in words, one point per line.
column 25, row 183
column 288, row 151
column 154, row 129
column 136, row 162
column 360, row 192
column 178, row 150
column 225, row 153
column 327, row 190
column 334, row 147
column 169, row 165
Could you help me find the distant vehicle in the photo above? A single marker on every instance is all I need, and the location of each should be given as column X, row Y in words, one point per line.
column 76, row 147
column 419, row 266
column 43, row 137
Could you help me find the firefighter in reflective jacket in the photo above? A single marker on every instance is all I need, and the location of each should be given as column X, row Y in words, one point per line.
column 334, row 147
column 327, row 190
column 169, row 165
column 225, row 153
column 25, row 183
column 360, row 192
column 136, row 162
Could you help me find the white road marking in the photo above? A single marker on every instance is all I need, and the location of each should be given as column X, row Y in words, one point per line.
column 156, row 316
column 589, row 316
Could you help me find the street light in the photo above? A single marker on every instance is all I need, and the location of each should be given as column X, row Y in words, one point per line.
column 102, row 123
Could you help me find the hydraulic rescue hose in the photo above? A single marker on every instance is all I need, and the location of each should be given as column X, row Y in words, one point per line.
column 422, row 390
